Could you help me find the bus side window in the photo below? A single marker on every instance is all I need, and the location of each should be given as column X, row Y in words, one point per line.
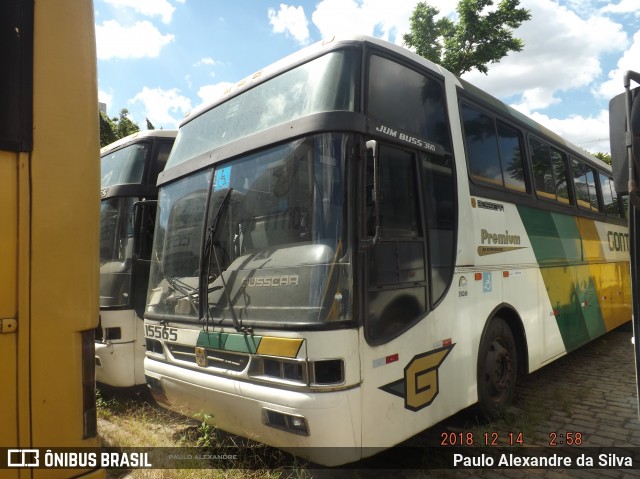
column 542, row 169
column 510, row 148
column 585, row 186
column 396, row 266
column 611, row 200
column 482, row 146
column 493, row 149
column 549, row 171
column 559, row 166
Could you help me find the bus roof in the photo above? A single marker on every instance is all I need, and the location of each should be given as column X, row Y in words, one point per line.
column 472, row 91
column 137, row 136
column 288, row 62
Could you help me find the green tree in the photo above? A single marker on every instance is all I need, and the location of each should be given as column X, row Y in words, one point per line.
column 124, row 126
column 481, row 36
column 112, row 129
column 606, row 157
column 107, row 130
column 150, row 125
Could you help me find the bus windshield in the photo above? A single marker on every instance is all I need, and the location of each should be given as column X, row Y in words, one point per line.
column 123, row 166
column 324, row 84
column 271, row 241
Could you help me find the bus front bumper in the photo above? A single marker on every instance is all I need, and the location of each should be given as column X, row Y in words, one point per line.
column 115, row 365
column 323, row 427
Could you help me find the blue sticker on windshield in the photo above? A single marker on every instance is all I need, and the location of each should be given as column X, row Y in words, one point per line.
column 222, row 179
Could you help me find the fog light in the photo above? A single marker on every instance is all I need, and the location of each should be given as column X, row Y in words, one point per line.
column 298, row 423
column 285, row 422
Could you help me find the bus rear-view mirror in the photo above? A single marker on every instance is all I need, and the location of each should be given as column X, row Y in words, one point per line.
column 624, row 134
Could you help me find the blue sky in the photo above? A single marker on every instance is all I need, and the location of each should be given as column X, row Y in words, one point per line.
column 162, row 58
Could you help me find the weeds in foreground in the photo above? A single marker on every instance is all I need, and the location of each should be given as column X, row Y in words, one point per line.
column 132, row 419
column 206, row 433
column 107, row 406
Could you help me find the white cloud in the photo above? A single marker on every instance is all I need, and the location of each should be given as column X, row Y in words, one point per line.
column 537, row 98
column 628, row 61
column 625, row 6
column 164, row 108
column 205, row 61
column 149, row 8
column 562, row 51
column 339, row 17
column 290, row 20
column 381, row 18
column 142, row 39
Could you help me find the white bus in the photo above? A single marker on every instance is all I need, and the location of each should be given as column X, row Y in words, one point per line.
column 353, row 244
column 129, row 172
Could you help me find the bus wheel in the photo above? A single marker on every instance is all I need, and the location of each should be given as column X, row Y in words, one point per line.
column 497, row 368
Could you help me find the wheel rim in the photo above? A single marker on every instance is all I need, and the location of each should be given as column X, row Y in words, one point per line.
column 498, row 371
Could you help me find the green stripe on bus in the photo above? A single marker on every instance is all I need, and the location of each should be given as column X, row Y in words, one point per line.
column 558, row 242
column 240, row 343
column 211, row 340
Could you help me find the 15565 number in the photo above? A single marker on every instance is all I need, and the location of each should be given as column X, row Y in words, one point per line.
column 156, row 331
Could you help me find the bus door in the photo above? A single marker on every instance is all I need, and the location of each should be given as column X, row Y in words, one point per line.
column 395, row 293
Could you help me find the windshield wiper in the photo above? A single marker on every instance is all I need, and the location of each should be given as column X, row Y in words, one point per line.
column 210, row 248
column 184, row 288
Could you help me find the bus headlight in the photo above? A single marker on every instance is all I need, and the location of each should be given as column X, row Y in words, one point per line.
column 282, row 370
column 326, row 372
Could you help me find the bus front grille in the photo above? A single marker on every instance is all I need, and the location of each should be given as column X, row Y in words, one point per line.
column 215, row 358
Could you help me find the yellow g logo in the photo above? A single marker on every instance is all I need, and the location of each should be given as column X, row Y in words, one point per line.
column 419, row 387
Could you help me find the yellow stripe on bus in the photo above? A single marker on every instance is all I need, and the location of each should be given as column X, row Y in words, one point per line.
column 283, row 347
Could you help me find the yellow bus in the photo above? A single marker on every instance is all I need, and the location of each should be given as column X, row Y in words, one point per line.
column 49, row 183
column 354, row 244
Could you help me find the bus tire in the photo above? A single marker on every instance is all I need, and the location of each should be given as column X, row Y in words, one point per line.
column 497, row 368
